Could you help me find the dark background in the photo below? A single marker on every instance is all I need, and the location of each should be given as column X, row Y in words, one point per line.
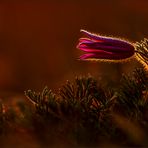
column 38, row 40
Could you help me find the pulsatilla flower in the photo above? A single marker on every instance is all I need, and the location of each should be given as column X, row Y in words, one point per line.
column 100, row 47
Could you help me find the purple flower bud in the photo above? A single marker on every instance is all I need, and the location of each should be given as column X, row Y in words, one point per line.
column 100, row 47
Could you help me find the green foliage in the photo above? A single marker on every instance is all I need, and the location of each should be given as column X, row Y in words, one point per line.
column 84, row 109
column 84, row 113
column 45, row 102
column 142, row 50
column 7, row 119
column 133, row 93
column 77, row 96
column 1, row 118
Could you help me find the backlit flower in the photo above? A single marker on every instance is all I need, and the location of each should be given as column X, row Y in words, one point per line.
column 101, row 47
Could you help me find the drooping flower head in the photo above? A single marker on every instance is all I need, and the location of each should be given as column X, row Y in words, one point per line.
column 100, row 47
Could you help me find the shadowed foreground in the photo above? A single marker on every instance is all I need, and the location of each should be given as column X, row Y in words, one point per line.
column 83, row 113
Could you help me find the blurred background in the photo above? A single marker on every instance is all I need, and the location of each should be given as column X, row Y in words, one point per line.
column 38, row 40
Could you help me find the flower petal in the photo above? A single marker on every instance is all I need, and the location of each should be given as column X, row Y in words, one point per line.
column 105, row 55
column 112, row 41
column 98, row 45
